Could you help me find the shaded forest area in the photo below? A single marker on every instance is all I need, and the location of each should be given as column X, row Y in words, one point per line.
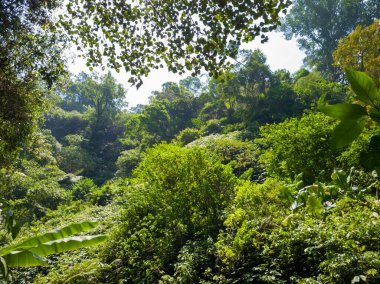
column 250, row 176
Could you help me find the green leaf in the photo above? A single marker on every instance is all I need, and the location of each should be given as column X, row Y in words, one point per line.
column 64, row 232
column 374, row 114
column 339, row 177
column 24, row 259
column 67, row 244
column 363, row 86
column 341, row 111
column 3, row 268
column 370, row 159
column 31, row 251
column 314, row 204
column 346, row 132
column 289, row 220
column 286, row 195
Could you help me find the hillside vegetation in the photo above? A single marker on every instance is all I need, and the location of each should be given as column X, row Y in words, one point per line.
column 250, row 176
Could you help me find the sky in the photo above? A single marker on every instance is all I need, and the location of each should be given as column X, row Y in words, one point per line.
column 280, row 53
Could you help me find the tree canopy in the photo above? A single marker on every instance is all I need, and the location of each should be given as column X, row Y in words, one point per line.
column 30, row 61
column 319, row 25
column 225, row 179
column 184, row 35
column 360, row 50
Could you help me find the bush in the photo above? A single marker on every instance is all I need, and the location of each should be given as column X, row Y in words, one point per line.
column 187, row 135
column 177, row 197
column 74, row 157
column 264, row 242
column 241, row 155
column 127, row 161
column 298, row 146
column 342, row 247
column 83, row 189
column 256, row 210
column 32, row 189
column 351, row 156
column 212, row 126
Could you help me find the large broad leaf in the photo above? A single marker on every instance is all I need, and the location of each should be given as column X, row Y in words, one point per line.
column 34, row 255
column 346, row 132
column 363, row 86
column 375, row 115
column 31, row 251
column 286, row 195
column 3, row 268
column 64, row 232
column 24, row 259
column 314, row 204
column 67, row 244
column 340, row 178
column 341, row 111
column 370, row 159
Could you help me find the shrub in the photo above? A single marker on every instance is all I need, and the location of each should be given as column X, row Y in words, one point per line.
column 187, row 135
column 298, row 145
column 342, row 247
column 127, row 161
column 83, row 189
column 241, row 155
column 177, row 197
column 255, row 211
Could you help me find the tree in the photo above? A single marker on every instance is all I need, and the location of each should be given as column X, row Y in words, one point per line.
column 30, row 61
column 90, row 130
column 360, row 51
column 185, row 35
column 319, row 25
column 311, row 87
column 30, row 64
column 254, row 79
column 102, row 93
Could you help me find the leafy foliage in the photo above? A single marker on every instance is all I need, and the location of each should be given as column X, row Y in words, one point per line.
column 320, row 249
column 319, row 25
column 359, row 50
column 30, row 63
column 242, row 156
column 188, row 35
column 298, row 146
column 354, row 117
column 311, row 87
column 265, row 243
column 127, row 161
column 176, row 200
column 248, row 203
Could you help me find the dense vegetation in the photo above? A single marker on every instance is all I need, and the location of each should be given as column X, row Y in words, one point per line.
column 253, row 176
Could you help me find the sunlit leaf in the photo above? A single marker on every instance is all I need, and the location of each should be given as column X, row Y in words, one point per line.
column 363, row 86
column 342, row 111
column 24, row 259
column 64, row 232
column 67, row 244
column 314, row 204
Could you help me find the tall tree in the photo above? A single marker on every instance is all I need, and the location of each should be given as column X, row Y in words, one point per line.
column 360, row 51
column 318, row 26
column 30, row 61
